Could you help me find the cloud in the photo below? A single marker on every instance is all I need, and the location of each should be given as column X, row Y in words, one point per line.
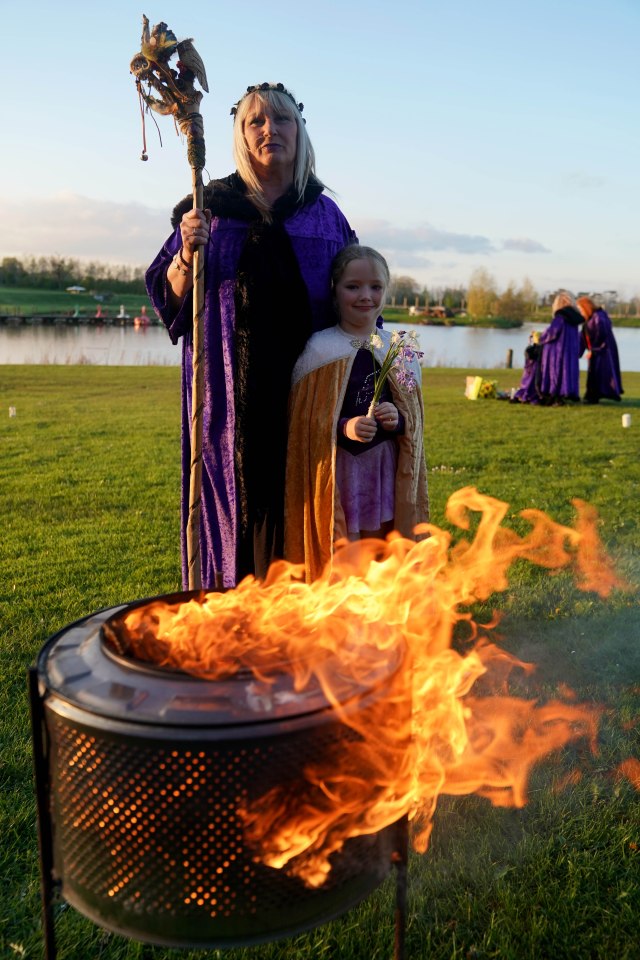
column 406, row 260
column 582, row 181
column 524, row 245
column 419, row 241
column 70, row 225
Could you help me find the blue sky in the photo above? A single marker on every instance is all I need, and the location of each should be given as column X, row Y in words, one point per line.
column 455, row 134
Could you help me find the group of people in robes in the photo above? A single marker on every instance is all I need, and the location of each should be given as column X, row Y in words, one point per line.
column 277, row 481
column 551, row 373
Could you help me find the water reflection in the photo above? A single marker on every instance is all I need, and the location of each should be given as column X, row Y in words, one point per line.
column 100, row 345
column 467, row 347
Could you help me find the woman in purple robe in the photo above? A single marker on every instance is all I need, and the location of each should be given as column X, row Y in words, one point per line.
column 597, row 339
column 270, row 235
column 559, row 364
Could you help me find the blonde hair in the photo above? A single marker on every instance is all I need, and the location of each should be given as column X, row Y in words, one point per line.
column 305, row 162
column 563, row 299
column 354, row 251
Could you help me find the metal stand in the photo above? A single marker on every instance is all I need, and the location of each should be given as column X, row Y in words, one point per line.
column 400, row 859
column 49, row 887
column 45, row 833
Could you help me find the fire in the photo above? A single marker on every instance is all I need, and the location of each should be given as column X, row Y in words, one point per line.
column 630, row 769
column 445, row 725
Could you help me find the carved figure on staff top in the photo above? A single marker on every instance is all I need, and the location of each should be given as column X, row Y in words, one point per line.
column 177, row 94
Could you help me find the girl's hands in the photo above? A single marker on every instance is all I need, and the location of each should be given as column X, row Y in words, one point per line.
column 387, row 416
column 362, row 429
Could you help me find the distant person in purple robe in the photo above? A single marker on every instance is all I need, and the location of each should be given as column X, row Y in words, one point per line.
column 529, row 389
column 603, row 374
column 271, row 235
column 559, row 363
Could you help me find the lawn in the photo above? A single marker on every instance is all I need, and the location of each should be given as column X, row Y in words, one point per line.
column 89, row 469
column 30, row 301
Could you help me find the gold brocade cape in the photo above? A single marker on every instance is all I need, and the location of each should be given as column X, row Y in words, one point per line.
column 314, row 518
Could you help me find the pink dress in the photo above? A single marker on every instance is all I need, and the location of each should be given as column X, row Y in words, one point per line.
column 365, row 472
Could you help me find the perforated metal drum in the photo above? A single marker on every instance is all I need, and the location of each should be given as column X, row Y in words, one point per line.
column 149, row 772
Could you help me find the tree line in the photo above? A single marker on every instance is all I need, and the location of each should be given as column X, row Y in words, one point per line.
column 479, row 299
column 58, row 273
column 482, row 298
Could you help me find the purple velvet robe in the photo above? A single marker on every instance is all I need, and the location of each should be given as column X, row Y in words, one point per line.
column 317, row 231
column 528, row 391
column 603, row 375
column 559, row 365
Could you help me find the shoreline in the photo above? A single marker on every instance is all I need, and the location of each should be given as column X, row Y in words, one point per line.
column 13, row 321
column 58, row 320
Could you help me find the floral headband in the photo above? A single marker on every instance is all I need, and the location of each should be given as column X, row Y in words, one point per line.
column 258, row 87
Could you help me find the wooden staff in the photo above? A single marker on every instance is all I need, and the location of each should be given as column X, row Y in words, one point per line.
column 197, row 404
column 180, row 99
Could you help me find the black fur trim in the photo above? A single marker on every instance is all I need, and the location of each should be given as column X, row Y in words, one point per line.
column 228, row 198
column 571, row 315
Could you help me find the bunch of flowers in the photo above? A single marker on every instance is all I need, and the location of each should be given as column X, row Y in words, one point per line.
column 403, row 349
column 488, row 389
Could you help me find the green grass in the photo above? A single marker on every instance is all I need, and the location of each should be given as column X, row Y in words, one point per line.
column 29, row 301
column 89, row 473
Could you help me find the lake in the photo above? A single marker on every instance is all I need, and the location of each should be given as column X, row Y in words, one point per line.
column 473, row 348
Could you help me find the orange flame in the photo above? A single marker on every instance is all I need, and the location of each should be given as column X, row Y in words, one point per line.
column 629, row 769
column 433, row 731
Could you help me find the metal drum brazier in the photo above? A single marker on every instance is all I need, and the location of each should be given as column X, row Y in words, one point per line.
column 143, row 775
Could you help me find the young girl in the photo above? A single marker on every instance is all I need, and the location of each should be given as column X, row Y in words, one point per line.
column 351, row 474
